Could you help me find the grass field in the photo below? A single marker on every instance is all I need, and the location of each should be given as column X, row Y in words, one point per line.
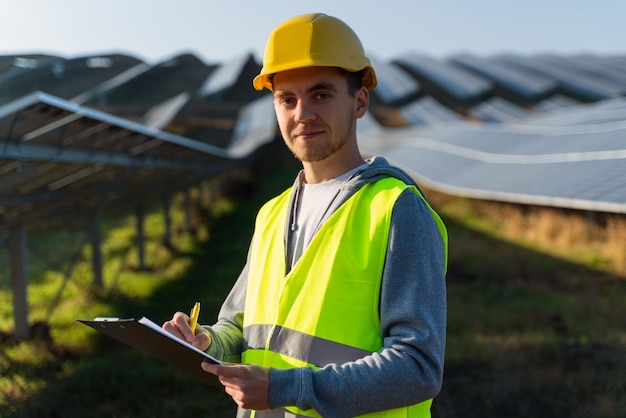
column 536, row 327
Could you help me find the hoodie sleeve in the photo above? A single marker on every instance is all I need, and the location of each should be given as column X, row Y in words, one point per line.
column 409, row 367
column 226, row 333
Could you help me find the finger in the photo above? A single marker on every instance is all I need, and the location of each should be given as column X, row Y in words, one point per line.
column 223, row 373
column 210, row 367
column 181, row 321
column 231, row 374
column 171, row 328
column 247, row 385
column 235, row 394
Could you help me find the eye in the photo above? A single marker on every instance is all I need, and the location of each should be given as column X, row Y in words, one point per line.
column 287, row 100
column 322, row 95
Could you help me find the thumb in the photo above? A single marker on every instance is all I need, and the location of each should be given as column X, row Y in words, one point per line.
column 202, row 339
column 210, row 367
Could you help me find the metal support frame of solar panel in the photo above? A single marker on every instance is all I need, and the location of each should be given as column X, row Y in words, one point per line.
column 93, row 146
column 91, row 157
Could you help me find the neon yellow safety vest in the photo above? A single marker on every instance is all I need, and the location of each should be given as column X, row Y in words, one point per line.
column 325, row 310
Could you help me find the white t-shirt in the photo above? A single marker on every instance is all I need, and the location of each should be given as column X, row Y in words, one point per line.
column 313, row 201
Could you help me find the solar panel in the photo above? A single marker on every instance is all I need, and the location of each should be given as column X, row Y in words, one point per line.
column 66, row 155
column 162, row 114
column 460, row 84
column 604, row 112
column 530, row 87
column 62, row 158
column 394, row 84
column 585, row 88
column 63, row 78
column 428, row 111
column 602, row 80
column 111, row 83
column 224, row 76
column 256, row 126
column 579, row 166
column 600, row 67
column 555, row 102
column 140, row 91
column 497, row 110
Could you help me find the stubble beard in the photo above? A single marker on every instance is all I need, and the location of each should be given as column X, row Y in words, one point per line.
column 318, row 154
column 315, row 154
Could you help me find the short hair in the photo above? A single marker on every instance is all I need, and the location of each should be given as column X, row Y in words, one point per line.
column 353, row 78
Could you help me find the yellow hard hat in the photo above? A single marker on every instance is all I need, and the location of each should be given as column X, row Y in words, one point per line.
column 313, row 40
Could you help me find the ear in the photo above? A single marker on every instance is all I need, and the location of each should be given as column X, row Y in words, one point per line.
column 362, row 100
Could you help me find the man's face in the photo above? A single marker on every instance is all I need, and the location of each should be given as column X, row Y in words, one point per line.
column 316, row 113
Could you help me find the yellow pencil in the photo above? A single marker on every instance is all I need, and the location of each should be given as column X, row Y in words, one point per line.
column 193, row 317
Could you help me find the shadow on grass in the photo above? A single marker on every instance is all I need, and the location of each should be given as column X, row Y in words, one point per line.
column 528, row 335
column 111, row 379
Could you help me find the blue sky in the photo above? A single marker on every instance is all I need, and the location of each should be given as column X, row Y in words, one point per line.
column 154, row 30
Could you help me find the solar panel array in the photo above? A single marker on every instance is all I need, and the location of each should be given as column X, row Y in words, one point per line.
column 99, row 141
column 544, row 130
column 61, row 155
column 536, row 161
column 93, row 104
column 74, row 133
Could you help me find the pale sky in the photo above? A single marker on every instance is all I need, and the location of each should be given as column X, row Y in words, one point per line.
column 154, row 30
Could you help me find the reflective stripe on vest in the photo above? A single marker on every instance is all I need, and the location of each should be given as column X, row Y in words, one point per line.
column 298, row 345
column 325, row 310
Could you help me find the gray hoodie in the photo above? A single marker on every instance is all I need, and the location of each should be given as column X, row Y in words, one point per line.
column 409, row 367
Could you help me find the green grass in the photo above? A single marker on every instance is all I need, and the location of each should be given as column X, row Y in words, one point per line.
column 80, row 373
column 530, row 334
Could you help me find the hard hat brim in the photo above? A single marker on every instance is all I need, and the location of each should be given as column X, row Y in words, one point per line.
column 263, row 80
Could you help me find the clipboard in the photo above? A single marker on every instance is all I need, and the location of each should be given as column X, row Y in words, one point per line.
column 146, row 336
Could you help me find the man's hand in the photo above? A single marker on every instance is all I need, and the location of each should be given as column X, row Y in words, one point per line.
column 248, row 385
column 179, row 327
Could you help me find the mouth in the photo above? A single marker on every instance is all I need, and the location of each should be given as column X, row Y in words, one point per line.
column 307, row 135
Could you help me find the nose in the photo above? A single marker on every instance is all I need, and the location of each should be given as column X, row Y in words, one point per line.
column 304, row 112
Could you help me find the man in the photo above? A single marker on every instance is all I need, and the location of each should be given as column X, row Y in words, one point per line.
column 340, row 309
